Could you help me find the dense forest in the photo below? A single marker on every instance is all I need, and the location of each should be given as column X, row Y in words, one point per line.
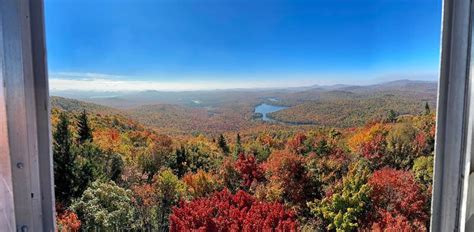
column 115, row 173
column 347, row 112
column 222, row 111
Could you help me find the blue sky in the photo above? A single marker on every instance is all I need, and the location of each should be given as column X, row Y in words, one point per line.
column 194, row 44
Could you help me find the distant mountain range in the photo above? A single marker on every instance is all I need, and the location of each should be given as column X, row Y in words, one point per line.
column 134, row 98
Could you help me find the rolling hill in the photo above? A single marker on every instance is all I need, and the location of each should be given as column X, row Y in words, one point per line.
column 349, row 106
column 68, row 104
column 220, row 111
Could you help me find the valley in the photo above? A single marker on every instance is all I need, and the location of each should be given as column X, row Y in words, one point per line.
column 221, row 111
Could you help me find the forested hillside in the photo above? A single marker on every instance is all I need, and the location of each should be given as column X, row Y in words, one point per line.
column 68, row 104
column 179, row 119
column 351, row 111
column 219, row 111
column 112, row 172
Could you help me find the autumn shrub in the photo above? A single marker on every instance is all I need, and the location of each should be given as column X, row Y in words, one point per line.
column 396, row 193
column 421, row 146
column 224, row 211
column 291, row 172
column 365, row 134
column 108, row 139
column 426, row 124
column 201, row 183
column 401, row 146
column 375, row 150
column 229, row 176
column 297, row 144
column 250, row 171
column 68, row 221
column 270, row 191
column 390, row 223
column 330, row 168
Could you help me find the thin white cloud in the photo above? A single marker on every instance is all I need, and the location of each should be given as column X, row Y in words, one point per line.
column 104, row 82
column 84, row 76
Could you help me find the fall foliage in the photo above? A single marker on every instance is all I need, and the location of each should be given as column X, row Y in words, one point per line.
column 224, row 211
column 396, row 196
column 112, row 172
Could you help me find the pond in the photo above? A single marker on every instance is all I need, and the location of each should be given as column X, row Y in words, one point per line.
column 265, row 109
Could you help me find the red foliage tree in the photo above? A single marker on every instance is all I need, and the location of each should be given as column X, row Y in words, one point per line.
column 423, row 144
column 374, row 149
column 68, row 221
column 226, row 212
column 290, row 171
column 249, row 170
column 397, row 198
column 389, row 223
column 296, row 144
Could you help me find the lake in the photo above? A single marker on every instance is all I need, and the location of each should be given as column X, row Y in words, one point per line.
column 265, row 109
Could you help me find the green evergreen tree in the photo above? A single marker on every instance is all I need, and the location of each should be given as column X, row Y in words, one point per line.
column 391, row 116
column 238, row 140
column 180, row 165
column 223, row 144
column 84, row 131
column 322, row 147
column 427, row 108
column 91, row 166
column 64, row 161
column 115, row 168
column 348, row 205
column 238, row 146
column 334, row 134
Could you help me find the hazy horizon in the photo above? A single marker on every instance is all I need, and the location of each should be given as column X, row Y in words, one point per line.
column 110, row 83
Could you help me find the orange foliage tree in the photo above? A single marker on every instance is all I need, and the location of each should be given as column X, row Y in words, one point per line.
column 145, row 200
column 68, row 221
column 290, row 171
column 201, row 183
